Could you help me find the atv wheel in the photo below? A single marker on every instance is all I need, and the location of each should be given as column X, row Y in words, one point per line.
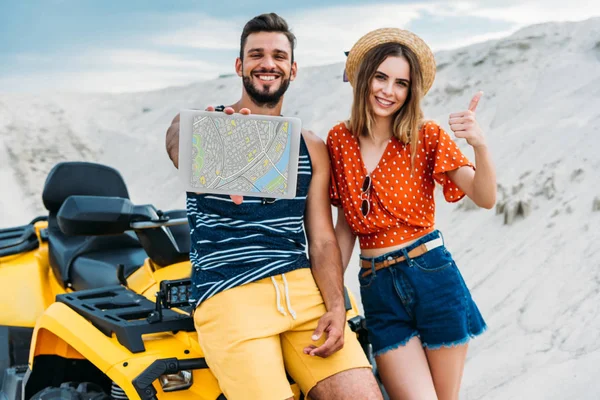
column 72, row 391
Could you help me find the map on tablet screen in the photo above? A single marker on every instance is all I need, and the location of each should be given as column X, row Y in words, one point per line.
column 247, row 155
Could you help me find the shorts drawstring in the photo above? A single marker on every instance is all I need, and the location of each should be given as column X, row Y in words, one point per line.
column 287, row 297
column 279, row 307
column 286, row 294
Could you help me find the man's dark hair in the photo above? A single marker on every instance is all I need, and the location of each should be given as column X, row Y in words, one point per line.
column 267, row 23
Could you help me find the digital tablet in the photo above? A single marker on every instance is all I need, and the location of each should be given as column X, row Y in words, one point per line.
column 248, row 155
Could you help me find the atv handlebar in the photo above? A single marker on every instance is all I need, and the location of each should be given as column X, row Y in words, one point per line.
column 158, row 224
column 95, row 215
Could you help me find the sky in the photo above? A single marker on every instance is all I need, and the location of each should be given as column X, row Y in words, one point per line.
column 140, row 45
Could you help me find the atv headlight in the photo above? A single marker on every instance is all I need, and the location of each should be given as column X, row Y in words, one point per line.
column 177, row 292
column 179, row 381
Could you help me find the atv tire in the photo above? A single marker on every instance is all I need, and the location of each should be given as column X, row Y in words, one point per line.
column 72, row 391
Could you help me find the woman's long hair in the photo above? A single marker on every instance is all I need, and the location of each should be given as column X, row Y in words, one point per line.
column 409, row 119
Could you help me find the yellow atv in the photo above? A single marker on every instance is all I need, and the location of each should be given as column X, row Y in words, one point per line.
column 94, row 298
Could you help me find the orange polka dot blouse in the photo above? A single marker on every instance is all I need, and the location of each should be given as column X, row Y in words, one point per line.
column 402, row 205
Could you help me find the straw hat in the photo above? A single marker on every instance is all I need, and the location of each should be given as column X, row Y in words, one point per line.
column 392, row 35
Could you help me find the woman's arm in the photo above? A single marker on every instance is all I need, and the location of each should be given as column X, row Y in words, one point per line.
column 479, row 185
column 346, row 239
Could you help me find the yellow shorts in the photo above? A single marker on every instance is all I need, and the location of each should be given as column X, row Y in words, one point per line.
column 249, row 344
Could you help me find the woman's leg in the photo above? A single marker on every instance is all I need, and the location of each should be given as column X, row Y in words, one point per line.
column 446, row 318
column 447, row 365
column 405, row 372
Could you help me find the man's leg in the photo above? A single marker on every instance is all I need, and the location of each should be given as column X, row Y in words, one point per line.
column 346, row 374
column 239, row 333
column 352, row 384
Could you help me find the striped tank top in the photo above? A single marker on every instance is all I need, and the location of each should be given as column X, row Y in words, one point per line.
column 232, row 245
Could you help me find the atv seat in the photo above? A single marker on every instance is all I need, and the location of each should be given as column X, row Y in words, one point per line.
column 97, row 269
column 85, row 262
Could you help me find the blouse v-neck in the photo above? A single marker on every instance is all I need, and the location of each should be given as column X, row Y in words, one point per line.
column 381, row 160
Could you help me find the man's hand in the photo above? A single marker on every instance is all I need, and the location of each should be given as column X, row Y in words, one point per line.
column 333, row 324
column 464, row 125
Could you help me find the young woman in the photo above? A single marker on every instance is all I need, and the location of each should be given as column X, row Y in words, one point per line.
column 385, row 162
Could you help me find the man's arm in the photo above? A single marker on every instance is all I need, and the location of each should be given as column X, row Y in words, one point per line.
column 325, row 255
column 172, row 141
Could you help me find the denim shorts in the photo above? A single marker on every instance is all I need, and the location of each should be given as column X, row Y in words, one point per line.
column 423, row 296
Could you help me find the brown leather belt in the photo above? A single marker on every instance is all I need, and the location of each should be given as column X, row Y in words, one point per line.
column 416, row 252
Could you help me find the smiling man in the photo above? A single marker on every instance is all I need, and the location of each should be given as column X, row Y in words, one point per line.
column 262, row 307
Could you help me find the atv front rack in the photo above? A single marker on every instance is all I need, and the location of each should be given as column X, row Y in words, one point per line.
column 118, row 310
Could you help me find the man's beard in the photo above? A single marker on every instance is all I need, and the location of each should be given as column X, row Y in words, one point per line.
column 265, row 98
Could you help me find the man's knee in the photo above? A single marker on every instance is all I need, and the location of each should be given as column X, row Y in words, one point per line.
column 358, row 383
